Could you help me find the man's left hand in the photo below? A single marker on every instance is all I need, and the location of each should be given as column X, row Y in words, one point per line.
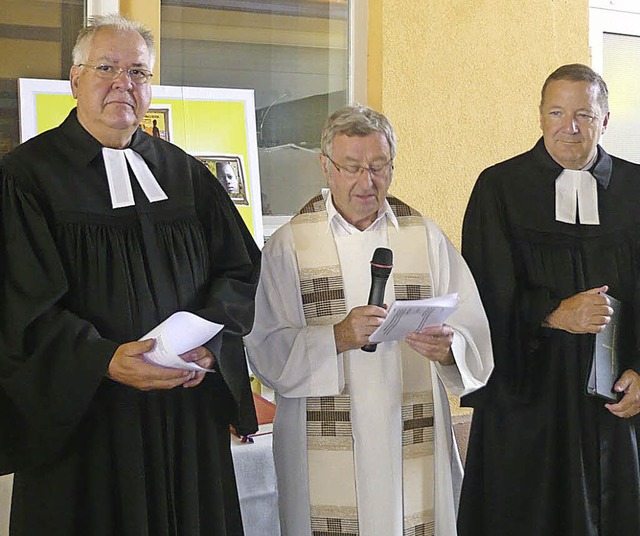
column 629, row 384
column 434, row 343
column 200, row 356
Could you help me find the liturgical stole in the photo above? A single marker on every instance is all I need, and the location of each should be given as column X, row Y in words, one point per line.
column 370, row 450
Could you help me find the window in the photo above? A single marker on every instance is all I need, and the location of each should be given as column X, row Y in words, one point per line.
column 292, row 53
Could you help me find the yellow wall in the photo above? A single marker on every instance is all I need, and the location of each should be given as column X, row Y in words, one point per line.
column 460, row 81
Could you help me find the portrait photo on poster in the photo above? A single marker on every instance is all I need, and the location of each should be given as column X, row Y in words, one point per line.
column 229, row 170
column 157, row 122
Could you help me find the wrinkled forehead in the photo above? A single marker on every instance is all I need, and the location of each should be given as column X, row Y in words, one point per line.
column 374, row 145
column 119, row 47
column 577, row 90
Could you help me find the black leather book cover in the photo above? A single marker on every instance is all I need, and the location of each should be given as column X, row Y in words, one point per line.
column 607, row 354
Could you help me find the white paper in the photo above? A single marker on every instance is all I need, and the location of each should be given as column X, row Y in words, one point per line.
column 181, row 332
column 406, row 316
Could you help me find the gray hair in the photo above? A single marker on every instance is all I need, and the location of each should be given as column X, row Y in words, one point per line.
column 115, row 22
column 577, row 72
column 356, row 120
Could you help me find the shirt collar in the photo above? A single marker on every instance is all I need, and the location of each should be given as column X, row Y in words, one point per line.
column 334, row 215
column 601, row 169
column 82, row 146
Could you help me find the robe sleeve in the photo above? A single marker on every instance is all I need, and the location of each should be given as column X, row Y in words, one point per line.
column 51, row 361
column 515, row 310
column 292, row 358
column 235, row 268
column 633, row 361
column 471, row 341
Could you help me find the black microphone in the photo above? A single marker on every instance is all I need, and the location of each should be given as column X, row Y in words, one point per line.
column 381, row 265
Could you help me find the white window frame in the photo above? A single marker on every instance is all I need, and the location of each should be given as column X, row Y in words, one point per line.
column 102, row 7
column 358, row 51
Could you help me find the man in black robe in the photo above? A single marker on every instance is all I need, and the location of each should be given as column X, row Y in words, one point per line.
column 545, row 458
column 102, row 442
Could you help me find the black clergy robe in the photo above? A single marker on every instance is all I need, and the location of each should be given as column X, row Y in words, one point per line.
column 544, row 458
column 93, row 457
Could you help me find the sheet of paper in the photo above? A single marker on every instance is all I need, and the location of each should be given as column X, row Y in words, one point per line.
column 181, row 332
column 406, row 316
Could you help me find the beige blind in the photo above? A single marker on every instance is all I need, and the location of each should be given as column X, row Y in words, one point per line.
column 621, row 71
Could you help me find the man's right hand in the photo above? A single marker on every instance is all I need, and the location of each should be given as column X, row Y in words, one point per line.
column 353, row 332
column 128, row 367
column 586, row 312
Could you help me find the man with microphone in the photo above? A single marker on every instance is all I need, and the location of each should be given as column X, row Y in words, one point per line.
column 362, row 440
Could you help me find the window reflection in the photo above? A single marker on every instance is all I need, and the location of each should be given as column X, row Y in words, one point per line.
column 292, row 53
column 36, row 39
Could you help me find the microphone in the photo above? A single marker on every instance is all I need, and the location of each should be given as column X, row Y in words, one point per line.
column 381, row 265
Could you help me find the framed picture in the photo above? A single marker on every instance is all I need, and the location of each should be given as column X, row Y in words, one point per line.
column 229, row 170
column 157, row 122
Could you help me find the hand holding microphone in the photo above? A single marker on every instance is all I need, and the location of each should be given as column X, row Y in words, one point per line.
column 354, row 330
column 381, row 265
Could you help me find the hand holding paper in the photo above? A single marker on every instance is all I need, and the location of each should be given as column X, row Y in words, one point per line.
column 178, row 334
column 434, row 343
column 406, row 316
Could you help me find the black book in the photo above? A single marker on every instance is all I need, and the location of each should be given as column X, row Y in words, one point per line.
column 607, row 353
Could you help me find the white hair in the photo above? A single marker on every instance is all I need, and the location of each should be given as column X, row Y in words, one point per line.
column 116, row 22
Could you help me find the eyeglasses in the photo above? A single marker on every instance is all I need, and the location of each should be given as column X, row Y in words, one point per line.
column 353, row 170
column 110, row 72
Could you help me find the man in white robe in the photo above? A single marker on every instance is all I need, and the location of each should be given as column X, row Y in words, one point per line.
column 363, row 442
